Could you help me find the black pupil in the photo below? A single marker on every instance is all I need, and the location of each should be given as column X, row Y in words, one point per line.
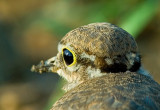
column 68, row 56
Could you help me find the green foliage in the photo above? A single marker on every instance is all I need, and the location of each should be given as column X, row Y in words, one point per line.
column 135, row 21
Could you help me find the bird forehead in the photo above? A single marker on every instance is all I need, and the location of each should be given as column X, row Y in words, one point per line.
column 61, row 46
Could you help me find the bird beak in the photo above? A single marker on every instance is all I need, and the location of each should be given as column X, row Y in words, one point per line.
column 45, row 66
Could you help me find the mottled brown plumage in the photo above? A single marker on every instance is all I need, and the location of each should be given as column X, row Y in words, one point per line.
column 118, row 91
column 103, row 68
column 101, row 39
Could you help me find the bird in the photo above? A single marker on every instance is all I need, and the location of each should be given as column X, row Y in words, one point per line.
column 102, row 66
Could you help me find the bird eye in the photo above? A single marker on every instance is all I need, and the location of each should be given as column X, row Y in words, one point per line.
column 69, row 57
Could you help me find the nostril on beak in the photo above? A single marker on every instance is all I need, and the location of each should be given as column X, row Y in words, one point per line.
column 50, row 61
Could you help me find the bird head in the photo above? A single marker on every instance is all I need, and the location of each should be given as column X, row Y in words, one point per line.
column 92, row 51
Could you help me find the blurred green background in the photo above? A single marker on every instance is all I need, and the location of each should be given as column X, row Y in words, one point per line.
column 31, row 29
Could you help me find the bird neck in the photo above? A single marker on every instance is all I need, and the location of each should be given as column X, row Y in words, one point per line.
column 142, row 71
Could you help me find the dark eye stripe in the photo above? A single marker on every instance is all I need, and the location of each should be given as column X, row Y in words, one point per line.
column 68, row 56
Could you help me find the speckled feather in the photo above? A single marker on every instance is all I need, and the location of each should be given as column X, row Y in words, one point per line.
column 127, row 91
column 101, row 39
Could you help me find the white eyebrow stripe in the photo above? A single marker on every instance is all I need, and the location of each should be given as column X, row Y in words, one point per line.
column 91, row 57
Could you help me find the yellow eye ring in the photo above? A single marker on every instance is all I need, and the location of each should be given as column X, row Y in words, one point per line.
column 69, row 57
